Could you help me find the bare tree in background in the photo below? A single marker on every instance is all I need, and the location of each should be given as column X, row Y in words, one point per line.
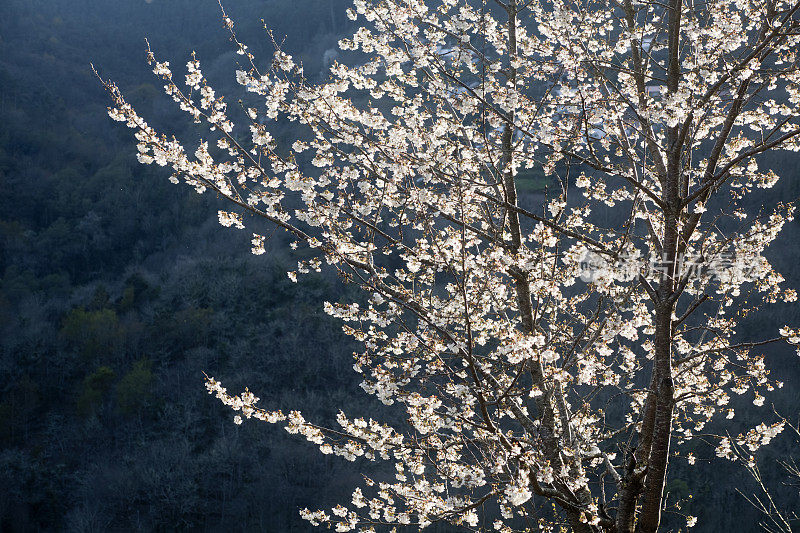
column 776, row 518
column 541, row 356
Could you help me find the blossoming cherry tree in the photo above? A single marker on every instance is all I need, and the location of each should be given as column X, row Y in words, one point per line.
column 524, row 381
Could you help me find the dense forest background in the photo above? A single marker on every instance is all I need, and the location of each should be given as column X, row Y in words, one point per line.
column 118, row 289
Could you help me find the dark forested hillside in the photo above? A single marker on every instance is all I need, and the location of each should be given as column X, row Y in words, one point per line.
column 118, row 290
